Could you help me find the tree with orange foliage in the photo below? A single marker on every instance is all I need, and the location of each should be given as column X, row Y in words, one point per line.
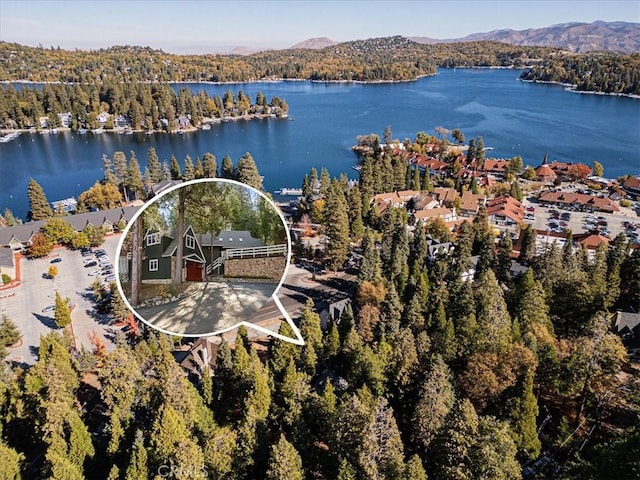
column 99, row 348
column 578, row 171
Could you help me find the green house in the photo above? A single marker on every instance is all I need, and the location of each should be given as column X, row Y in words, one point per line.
column 159, row 257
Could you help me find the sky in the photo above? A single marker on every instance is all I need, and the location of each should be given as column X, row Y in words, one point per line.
column 201, row 26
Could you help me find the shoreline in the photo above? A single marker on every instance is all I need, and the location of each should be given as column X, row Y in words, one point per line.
column 125, row 130
column 572, row 88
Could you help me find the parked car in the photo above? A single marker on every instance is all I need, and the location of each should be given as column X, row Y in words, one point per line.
column 90, row 264
column 88, row 261
column 48, row 308
column 93, row 273
column 56, row 260
column 110, row 278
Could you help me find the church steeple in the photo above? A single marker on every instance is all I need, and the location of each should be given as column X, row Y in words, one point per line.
column 546, row 157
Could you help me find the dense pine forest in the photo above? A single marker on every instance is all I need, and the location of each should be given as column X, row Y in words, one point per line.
column 429, row 373
column 596, row 72
column 138, row 105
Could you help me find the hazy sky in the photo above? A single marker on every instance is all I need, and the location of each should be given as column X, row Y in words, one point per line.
column 201, row 26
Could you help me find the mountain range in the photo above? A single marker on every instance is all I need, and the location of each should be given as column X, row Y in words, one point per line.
column 623, row 37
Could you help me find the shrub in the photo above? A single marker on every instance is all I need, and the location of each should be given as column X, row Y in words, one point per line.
column 5, row 278
column 625, row 203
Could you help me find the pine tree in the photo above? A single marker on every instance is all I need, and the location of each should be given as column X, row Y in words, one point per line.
column 354, row 201
column 174, row 170
column 188, row 173
column 337, row 228
column 227, row 170
column 451, row 450
column 9, row 332
column 284, row 462
column 62, row 314
column 370, row 268
column 325, row 182
column 153, row 166
column 199, row 168
column 416, row 179
column 138, row 469
column 414, row 470
column 494, row 322
column 134, row 181
column 38, row 203
column 522, row 412
column 247, row 172
column 209, row 165
column 503, row 259
column 435, row 401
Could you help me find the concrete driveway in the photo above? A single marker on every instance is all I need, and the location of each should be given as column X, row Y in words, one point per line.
column 209, row 307
column 26, row 304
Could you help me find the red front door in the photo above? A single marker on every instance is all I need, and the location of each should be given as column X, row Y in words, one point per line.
column 194, row 271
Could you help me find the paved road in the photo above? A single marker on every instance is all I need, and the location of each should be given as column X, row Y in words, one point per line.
column 35, row 293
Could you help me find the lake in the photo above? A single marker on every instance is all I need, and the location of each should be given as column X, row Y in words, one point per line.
column 513, row 117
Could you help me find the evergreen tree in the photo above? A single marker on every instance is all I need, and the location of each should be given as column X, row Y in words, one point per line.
column 62, row 314
column 354, row 201
column 337, row 228
column 494, row 455
column 523, row 411
column 494, row 322
column 137, row 469
column 435, row 402
column 174, row 170
column 209, row 165
column 189, row 172
column 134, row 181
column 325, row 182
column 227, row 170
column 414, row 469
column 370, row 268
column 515, row 191
column 199, row 168
column 416, row 179
column 452, row 449
column 153, row 166
column 38, row 203
column 9, row 332
column 503, row 259
column 247, row 172
column 284, row 462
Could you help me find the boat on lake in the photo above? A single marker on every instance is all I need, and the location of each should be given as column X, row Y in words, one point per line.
column 205, row 126
column 289, row 191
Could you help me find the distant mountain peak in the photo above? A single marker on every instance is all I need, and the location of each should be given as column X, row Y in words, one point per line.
column 315, row 43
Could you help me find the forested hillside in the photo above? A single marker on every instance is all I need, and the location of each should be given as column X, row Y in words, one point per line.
column 380, row 59
column 598, row 72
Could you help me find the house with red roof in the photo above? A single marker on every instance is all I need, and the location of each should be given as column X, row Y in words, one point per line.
column 505, row 210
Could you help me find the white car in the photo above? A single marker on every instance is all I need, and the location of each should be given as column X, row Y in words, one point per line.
column 93, row 273
column 88, row 261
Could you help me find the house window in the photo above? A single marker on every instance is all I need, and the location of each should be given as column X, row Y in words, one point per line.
column 190, row 242
column 240, row 239
column 153, row 239
column 153, row 265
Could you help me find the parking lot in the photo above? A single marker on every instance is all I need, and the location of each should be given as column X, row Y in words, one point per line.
column 577, row 222
column 29, row 305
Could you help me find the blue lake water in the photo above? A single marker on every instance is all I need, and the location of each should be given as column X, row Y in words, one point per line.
column 513, row 117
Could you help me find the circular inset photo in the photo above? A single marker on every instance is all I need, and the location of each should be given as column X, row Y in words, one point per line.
column 202, row 257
